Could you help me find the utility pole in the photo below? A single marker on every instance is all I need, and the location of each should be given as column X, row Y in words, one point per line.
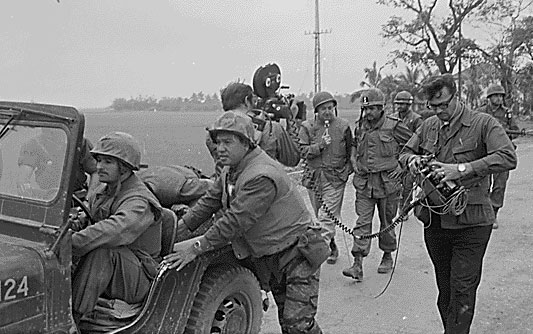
column 317, row 33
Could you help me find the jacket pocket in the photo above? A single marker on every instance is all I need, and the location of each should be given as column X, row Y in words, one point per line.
column 466, row 151
column 388, row 145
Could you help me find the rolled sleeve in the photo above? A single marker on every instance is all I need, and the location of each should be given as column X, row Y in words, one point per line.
column 250, row 203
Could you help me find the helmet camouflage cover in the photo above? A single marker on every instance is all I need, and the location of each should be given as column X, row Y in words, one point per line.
column 120, row 145
column 233, row 122
column 372, row 97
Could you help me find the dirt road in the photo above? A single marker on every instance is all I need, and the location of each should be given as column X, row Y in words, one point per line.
column 504, row 303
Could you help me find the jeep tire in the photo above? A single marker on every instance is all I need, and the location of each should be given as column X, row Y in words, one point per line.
column 228, row 302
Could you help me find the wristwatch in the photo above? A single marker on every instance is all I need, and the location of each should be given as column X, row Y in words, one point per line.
column 461, row 168
column 197, row 247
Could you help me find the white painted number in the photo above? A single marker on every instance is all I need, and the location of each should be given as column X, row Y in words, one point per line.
column 9, row 287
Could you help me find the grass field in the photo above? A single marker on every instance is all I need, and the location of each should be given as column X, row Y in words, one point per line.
column 167, row 138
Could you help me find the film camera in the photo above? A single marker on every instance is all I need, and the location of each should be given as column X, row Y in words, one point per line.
column 267, row 86
column 442, row 198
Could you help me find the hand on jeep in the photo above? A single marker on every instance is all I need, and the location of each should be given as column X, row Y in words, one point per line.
column 183, row 254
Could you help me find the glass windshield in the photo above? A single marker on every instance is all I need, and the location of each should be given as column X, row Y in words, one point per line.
column 31, row 162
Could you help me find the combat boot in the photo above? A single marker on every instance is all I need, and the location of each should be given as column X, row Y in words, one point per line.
column 356, row 270
column 386, row 263
column 332, row 258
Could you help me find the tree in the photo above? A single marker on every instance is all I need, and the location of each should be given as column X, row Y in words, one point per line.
column 428, row 40
column 511, row 43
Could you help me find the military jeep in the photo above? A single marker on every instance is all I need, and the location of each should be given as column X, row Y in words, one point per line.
column 213, row 294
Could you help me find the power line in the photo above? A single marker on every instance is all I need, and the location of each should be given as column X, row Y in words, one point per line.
column 317, row 33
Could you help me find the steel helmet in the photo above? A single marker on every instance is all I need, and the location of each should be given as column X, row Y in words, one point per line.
column 120, row 145
column 321, row 98
column 372, row 97
column 234, row 122
column 495, row 89
column 404, row 97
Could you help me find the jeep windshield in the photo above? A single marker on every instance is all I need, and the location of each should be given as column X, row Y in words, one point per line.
column 32, row 156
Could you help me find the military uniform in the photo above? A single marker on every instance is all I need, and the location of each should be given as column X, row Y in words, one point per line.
column 412, row 120
column 457, row 244
column 376, row 155
column 499, row 180
column 263, row 215
column 121, row 251
column 327, row 168
column 275, row 141
column 174, row 184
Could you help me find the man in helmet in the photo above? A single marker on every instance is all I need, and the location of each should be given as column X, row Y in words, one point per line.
column 402, row 105
column 263, row 215
column 275, row 140
column 326, row 144
column 468, row 146
column 496, row 108
column 378, row 138
column 118, row 252
column 175, row 185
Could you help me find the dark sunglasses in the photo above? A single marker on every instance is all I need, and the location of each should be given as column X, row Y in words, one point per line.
column 441, row 106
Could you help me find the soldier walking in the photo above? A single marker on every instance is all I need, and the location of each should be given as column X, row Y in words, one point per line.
column 496, row 108
column 378, row 138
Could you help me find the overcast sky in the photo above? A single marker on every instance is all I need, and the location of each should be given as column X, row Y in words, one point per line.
column 86, row 53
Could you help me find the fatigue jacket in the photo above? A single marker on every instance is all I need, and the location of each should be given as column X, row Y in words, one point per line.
column 333, row 161
column 471, row 137
column 130, row 217
column 411, row 119
column 174, row 184
column 503, row 114
column 263, row 212
column 376, row 155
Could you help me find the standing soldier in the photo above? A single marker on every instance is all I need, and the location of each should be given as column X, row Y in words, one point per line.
column 402, row 104
column 263, row 217
column 326, row 144
column 378, row 139
column 496, row 108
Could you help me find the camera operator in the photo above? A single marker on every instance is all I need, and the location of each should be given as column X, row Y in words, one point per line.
column 468, row 147
column 270, row 136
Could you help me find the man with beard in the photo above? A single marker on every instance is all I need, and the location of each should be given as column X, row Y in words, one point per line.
column 496, row 108
column 378, row 139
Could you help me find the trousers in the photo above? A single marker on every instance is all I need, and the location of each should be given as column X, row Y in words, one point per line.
column 332, row 197
column 114, row 273
column 364, row 208
column 457, row 256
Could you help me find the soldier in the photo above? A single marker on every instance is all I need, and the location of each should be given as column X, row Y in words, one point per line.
column 468, row 146
column 270, row 136
column 263, row 216
column 119, row 251
column 496, row 108
column 402, row 104
column 175, row 186
column 378, row 138
column 326, row 144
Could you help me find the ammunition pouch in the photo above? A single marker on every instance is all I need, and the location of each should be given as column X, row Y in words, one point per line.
column 313, row 246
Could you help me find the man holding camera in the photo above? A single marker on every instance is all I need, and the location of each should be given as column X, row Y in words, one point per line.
column 269, row 135
column 468, row 147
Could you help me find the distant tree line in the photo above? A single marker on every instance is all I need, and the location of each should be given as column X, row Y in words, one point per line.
column 200, row 102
